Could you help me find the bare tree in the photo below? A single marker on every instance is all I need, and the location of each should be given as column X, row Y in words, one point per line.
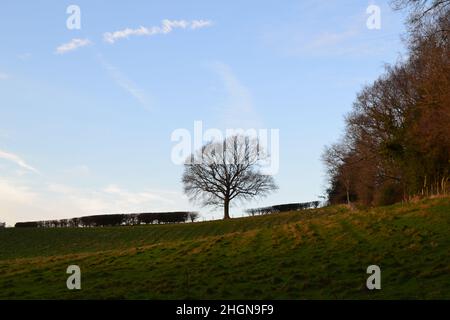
column 397, row 138
column 335, row 159
column 193, row 216
column 224, row 171
column 422, row 11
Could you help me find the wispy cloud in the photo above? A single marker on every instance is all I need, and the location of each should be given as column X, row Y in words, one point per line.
column 48, row 200
column 329, row 39
column 72, row 45
column 136, row 198
column 114, row 198
column 166, row 27
column 238, row 109
column 15, row 201
column 129, row 86
column 319, row 32
column 24, row 56
column 4, row 76
column 17, row 160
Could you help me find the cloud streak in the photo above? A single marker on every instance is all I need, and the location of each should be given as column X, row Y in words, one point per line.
column 17, row 160
column 167, row 26
column 122, row 81
column 74, row 44
column 330, row 39
column 238, row 109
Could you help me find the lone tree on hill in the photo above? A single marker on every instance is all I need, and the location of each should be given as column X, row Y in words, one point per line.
column 224, row 171
column 193, row 216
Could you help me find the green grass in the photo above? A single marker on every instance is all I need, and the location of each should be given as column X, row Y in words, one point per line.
column 316, row 254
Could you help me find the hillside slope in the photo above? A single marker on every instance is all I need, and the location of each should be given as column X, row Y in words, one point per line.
column 315, row 254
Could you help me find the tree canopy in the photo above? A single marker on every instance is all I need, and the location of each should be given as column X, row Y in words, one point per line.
column 396, row 142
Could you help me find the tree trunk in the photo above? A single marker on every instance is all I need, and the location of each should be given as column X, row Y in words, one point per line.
column 226, row 209
column 347, row 189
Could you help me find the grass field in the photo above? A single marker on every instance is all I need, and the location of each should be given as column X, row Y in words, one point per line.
column 314, row 254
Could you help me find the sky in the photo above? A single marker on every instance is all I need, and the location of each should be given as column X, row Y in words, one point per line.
column 87, row 111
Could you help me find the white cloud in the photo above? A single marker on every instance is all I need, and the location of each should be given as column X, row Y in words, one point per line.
column 198, row 24
column 4, row 76
column 15, row 201
column 17, row 160
column 47, row 201
column 72, row 45
column 166, row 27
column 122, row 81
column 137, row 198
column 27, row 198
column 16, row 193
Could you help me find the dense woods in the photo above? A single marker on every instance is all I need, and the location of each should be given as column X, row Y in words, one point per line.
column 396, row 143
column 109, row 220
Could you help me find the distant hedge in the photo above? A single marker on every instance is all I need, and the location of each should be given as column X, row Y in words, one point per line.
column 109, row 220
column 283, row 208
column 26, row 224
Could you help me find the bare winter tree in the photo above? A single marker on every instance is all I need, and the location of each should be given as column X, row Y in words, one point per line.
column 193, row 216
column 397, row 138
column 225, row 171
column 421, row 11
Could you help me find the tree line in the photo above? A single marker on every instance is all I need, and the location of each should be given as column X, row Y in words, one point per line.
column 283, row 208
column 396, row 143
column 110, row 220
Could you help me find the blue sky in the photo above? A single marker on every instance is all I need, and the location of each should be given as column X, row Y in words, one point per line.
column 86, row 124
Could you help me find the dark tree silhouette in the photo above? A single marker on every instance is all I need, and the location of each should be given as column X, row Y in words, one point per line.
column 221, row 172
column 193, row 216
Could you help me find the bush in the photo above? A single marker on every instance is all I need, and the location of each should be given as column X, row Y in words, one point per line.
column 26, row 225
column 389, row 194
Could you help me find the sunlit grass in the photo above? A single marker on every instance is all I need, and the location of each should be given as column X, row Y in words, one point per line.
column 317, row 254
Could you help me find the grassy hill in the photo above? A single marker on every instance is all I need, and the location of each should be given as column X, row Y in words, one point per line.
column 314, row 254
